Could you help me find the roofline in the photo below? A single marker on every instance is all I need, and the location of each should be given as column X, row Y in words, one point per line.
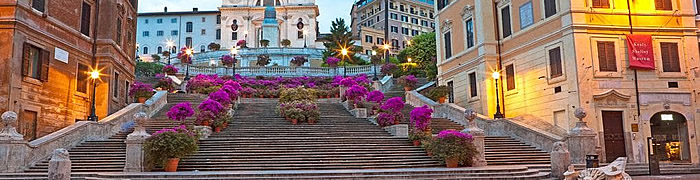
column 177, row 13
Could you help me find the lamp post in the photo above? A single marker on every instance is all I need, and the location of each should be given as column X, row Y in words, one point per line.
column 94, row 75
column 234, row 52
column 344, row 52
column 187, row 70
column 374, row 62
column 496, row 76
column 169, row 45
column 305, row 33
column 386, row 48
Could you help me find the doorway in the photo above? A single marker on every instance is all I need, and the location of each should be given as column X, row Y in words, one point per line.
column 613, row 134
column 27, row 125
column 670, row 132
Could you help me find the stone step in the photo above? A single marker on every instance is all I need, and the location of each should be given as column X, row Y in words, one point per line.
column 214, row 155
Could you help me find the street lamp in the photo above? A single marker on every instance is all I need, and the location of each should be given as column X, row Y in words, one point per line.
column 305, row 33
column 386, row 48
column 188, row 51
column 169, row 45
column 497, row 76
column 94, row 75
column 344, row 52
column 374, row 56
column 234, row 52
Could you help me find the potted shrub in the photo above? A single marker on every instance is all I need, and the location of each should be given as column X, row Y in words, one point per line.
column 286, row 43
column 209, row 110
column 170, row 69
column 312, row 116
column 375, row 97
column 263, row 60
column 228, row 60
column 408, row 82
column 141, row 91
column 355, row 94
column 427, row 144
column 264, row 43
column 332, row 62
column 417, row 137
column 242, row 44
column 167, row 146
column 388, row 68
column 221, row 97
column 295, row 114
column 299, row 60
column 165, row 83
column 454, row 148
column 385, row 119
column 421, row 118
column 180, row 112
column 218, row 124
column 439, row 93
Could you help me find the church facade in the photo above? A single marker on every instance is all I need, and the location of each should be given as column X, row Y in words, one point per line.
column 293, row 20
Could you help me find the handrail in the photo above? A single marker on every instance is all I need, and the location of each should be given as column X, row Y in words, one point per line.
column 284, row 71
column 386, row 83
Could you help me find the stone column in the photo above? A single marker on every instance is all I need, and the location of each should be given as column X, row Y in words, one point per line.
column 582, row 139
column 13, row 147
column 60, row 165
column 134, row 145
column 479, row 136
column 560, row 159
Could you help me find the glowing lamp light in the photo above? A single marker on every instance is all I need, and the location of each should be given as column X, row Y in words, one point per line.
column 95, row 74
column 374, row 53
column 344, row 52
column 234, row 50
column 496, row 75
column 409, row 60
column 387, row 46
column 188, row 51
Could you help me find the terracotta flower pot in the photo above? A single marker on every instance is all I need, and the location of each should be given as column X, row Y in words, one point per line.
column 442, row 100
column 171, row 165
column 407, row 88
column 205, row 123
column 261, row 96
column 430, row 153
column 142, row 100
column 312, row 121
column 452, row 162
column 225, row 124
column 217, row 129
column 416, row 143
column 295, row 121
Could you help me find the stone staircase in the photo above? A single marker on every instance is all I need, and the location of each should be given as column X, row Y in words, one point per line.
column 637, row 169
column 109, row 155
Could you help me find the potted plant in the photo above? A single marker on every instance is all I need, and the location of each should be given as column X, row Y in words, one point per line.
column 385, row 119
column 242, row 44
column 312, row 116
column 417, row 137
column 295, row 114
column 421, row 118
column 375, row 97
column 218, row 124
column 170, row 69
column 141, row 91
column 408, row 82
column 228, row 60
column 180, row 112
column 454, row 148
column 286, row 43
column 263, row 60
column 427, row 144
column 165, row 83
column 355, row 94
column 388, row 68
column 167, row 146
column 264, row 43
column 439, row 93
column 209, row 110
column 332, row 62
column 299, row 60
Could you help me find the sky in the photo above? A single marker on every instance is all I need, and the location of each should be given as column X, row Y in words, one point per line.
column 329, row 9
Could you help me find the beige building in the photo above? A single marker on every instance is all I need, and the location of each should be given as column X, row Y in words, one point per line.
column 555, row 56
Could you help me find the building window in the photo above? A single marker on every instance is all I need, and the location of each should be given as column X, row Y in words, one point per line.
column 395, row 43
column 300, row 34
column 404, row 31
column 127, row 85
column 115, row 89
column 472, row 85
column 451, row 95
column 663, row 5
column 188, row 42
column 414, row 20
column 159, row 21
column 601, row 3
column 145, row 21
column 394, row 29
column 526, row 16
column 218, row 19
column 378, row 19
column 173, row 20
column 159, row 33
column 369, row 39
column 204, row 19
column 146, row 34
column 204, row 32
column 159, row 50
column 173, row 33
column 380, row 41
column 555, row 65
column 145, row 50
column 39, row 5
column 510, row 77
column 218, row 34
column 188, row 27
column 448, row 45
column 550, row 8
column 401, row 8
column 119, row 31
column 394, row 16
column 85, row 19
column 470, row 33
column 505, row 21
column 202, row 48
column 606, row 56
column 414, row 32
column 234, row 36
column 35, row 62
column 404, row 18
column 669, row 57
column 82, row 78
column 442, row 4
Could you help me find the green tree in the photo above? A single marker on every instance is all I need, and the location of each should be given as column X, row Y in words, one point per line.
column 146, row 69
column 340, row 38
column 423, row 52
column 156, row 58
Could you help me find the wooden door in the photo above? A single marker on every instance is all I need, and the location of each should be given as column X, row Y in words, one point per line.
column 613, row 135
column 27, row 125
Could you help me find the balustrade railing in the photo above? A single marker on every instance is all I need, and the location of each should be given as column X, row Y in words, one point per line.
column 284, row 71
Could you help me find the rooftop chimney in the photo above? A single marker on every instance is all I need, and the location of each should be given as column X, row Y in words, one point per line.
column 165, row 9
column 195, row 9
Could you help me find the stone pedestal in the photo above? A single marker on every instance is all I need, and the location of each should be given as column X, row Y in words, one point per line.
column 560, row 159
column 479, row 137
column 399, row 130
column 60, row 165
column 13, row 147
column 204, row 132
column 270, row 27
column 135, row 154
column 582, row 139
column 359, row 112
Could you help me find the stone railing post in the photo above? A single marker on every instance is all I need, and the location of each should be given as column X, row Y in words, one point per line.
column 479, row 136
column 60, row 165
column 13, row 147
column 560, row 159
column 134, row 145
column 582, row 139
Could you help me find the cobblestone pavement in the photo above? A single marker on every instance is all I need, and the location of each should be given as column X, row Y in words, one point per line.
column 677, row 177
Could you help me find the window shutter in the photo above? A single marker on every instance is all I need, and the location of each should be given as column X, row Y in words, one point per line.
column 45, row 63
column 555, row 66
column 665, row 60
column 669, row 57
column 26, row 62
column 602, row 62
column 611, row 57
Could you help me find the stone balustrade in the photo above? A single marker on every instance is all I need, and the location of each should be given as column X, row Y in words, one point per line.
column 284, row 71
column 17, row 153
column 384, row 84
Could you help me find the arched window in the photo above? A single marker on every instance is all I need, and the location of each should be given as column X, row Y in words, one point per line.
column 160, row 50
column 145, row 50
column 188, row 27
column 202, row 48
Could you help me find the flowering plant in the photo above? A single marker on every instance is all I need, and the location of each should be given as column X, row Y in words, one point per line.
column 141, row 90
column 421, row 117
column 170, row 69
column 356, row 93
column 221, row 97
column 200, row 83
column 169, row 143
column 228, row 60
column 388, row 68
column 166, row 83
column 232, row 92
column 394, row 104
column 180, row 112
column 332, row 61
column 209, row 110
column 409, row 81
column 299, row 60
column 375, row 96
column 348, row 82
column 235, row 85
column 242, row 43
column 248, row 91
column 388, row 119
column 454, row 144
column 184, row 57
column 263, row 60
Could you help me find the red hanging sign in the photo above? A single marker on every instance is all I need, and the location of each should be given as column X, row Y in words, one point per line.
column 641, row 52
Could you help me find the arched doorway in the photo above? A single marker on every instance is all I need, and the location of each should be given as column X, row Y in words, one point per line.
column 670, row 132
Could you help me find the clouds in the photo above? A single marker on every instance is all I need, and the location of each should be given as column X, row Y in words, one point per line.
column 329, row 9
